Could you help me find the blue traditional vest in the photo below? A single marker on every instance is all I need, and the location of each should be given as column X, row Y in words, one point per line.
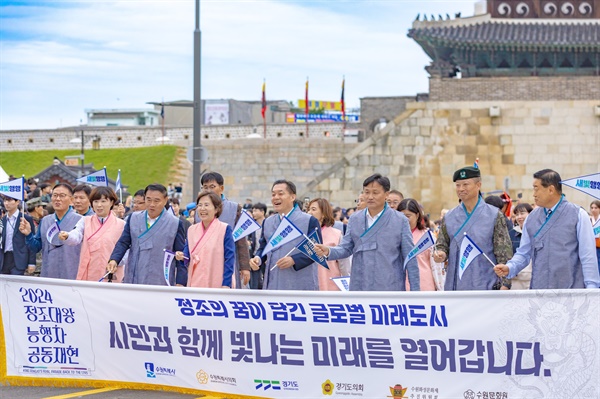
column 555, row 248
column 479, row 225
column 146, row 255
column 288, row 279
column 59, row 260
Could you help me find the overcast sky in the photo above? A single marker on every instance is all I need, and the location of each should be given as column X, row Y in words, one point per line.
column 58, row 58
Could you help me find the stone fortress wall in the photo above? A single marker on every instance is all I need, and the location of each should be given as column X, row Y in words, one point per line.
column 419, row 149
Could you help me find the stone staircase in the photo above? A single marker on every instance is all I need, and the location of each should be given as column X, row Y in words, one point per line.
column 347, row 158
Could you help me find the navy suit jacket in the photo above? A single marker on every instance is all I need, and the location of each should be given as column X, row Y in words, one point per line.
column 23, row 255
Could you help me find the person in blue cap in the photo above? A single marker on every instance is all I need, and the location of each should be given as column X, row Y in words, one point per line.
column 484, row 224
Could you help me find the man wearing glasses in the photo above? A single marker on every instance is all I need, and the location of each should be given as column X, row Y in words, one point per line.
column 58, row 260
column 394, row 199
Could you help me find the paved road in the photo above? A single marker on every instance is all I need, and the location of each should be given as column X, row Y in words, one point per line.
column 11, row 392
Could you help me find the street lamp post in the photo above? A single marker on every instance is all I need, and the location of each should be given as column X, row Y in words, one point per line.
column 82, row 154
column 197, row 162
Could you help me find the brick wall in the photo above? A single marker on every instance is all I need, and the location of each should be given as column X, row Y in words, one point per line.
column 515, row 88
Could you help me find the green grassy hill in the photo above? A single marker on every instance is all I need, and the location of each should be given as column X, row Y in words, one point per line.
column 139, row 166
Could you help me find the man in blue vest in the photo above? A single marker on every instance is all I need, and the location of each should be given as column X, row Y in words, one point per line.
column 147, row 235
column 285, row 267
column 558, row 239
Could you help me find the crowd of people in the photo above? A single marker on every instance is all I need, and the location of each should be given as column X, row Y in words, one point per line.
column 85, row 233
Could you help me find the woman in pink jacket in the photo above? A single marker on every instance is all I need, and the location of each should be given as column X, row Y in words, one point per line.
column 98, row 235
column 209, row 246
column 322, row 211
column 412, row 210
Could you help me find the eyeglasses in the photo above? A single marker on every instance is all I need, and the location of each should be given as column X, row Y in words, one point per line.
column 60, row 196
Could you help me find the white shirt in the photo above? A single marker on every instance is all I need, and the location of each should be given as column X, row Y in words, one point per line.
column 76, row 235
column 372, row 220
column 587, row 251
column 11, row 224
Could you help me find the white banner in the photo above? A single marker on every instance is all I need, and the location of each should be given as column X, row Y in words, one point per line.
column 589, row 184
column 297, row 344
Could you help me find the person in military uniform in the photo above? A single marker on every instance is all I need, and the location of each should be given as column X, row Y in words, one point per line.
column 484, row 224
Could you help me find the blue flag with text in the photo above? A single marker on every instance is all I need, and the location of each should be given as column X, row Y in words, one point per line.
column 468, row 252
column 307, row 247
column 246, row 225
column 426, row 241
column 13, row 188
column 98, row 178
column 285, row 233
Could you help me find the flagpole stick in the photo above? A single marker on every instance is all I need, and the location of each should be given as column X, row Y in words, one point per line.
column 285, row 256
column 120, row 188
column 493, row 264
column 483, row 253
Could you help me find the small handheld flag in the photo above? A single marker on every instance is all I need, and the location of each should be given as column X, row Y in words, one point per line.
column 597, row 228
column 167, row 260
column 14, row 188
column 468, row 252
column 343, row 283
column 52, row 231
column 118, row 182
column 476, row 164
column 98, row 178
column 285, row 233
column 307, row 247
column 118, row 186
column 589, row 184
column 424, row 242
column 246, row 225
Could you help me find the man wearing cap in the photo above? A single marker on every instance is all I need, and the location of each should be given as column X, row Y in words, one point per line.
column 484, row 224
column 15, row 256
column 35, row 208
column 558, row 239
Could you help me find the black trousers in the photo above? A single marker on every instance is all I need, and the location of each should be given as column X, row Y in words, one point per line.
column 9, row 266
